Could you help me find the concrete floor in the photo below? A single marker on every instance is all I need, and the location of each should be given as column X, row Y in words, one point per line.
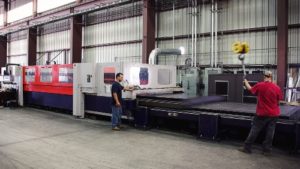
column 38, row 139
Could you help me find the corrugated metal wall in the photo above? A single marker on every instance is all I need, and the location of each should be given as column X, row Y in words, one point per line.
column 294, row 11
column 97, row 39
column 44, row 5
column 263, row 48
column 18, row 47
column 117, row 31
column 20, row 12
column 294, row 34
column 120, row 39
column 240, row 14
column 17, row 52
column 165, row 23
column 54, row 47
column 1, row 13
column 117, row 53
column 232, row 15
column 294, row 46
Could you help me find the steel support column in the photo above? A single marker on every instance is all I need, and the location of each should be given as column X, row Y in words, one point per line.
column 34, row 9
column 282, row 42
column 76, row 39
column 3, row 51
column 148, row 29
column 5, row 12
column 32, row 45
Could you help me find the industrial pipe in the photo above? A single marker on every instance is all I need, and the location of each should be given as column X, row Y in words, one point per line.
column 173, row 25
column 195, row 43
column 10, row 64
column 216, row 33
column 212, row 35
column 156, row 52
column 193, row 34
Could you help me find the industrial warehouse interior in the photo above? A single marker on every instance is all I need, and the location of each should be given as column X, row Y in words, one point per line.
column 149, row 84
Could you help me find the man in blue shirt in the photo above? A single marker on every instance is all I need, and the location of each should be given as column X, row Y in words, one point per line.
column 116, row 94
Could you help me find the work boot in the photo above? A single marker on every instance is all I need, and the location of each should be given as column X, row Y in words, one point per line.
column 266, row 152
column 116, row 128
column 121, row 126
column 245, row 150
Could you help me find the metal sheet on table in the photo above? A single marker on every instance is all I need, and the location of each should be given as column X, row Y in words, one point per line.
column 288, row 112
column 176, row 101
column 209, row 103
column 174, row 97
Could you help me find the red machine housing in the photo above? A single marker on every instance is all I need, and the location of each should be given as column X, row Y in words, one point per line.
column 54, row 79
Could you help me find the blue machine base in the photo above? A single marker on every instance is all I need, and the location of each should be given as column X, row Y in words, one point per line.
column 93, row 103
column 58, row 101
column 103, row 104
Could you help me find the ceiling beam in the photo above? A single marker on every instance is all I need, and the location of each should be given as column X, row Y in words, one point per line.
column 75, row 9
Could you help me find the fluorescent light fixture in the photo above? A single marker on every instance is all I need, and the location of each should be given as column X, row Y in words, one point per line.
column 182, row 49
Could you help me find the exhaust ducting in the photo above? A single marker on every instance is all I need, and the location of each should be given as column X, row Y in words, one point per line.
column 156, row 52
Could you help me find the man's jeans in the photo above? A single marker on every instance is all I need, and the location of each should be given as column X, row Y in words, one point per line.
column 116, row 116
column 258, row 124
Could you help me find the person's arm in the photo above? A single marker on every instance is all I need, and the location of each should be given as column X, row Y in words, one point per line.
column 116, row 99
column 247, row 85
column 280, row 96
column 128, row 88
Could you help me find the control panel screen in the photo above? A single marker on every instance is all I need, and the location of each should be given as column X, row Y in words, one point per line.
column 46, row 75
column 109, row 75
column 30, row 75
column 65, row 75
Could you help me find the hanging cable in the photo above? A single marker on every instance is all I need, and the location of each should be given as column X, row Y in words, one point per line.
column 212, row 34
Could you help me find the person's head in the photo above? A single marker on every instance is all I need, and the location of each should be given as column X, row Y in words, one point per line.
column 268, row 76
column 119, row 77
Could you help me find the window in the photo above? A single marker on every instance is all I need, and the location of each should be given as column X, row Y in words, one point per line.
column 222, row 88
column 109, row 75
column 30, row 75
column 46, row 75
column 65, row 75
column 20, row 12
column 164, row 76
column 44, row 5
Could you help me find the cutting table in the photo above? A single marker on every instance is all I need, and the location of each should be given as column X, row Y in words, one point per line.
column 211, row 113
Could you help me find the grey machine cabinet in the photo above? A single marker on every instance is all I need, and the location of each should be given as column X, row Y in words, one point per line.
column 231, row 85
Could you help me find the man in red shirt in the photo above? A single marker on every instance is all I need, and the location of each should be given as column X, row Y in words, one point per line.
column 267, row 112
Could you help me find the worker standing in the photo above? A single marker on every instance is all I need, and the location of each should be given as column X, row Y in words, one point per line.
column 267, row 112
column 116, row 92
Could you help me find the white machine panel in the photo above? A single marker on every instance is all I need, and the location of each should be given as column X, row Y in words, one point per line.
column 91, row 78
column 87, row 77
column 150, row 76
column 143, row 75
